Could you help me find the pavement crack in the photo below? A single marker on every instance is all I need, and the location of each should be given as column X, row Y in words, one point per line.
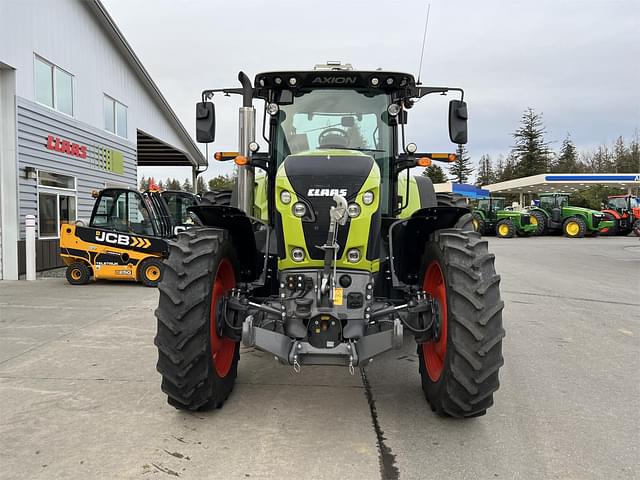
column 566, row 297
column 386, row 459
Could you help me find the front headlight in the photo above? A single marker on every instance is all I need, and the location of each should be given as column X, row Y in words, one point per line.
column 368, row 197
column 299, row 209
column 353, row 210
column 285, row 197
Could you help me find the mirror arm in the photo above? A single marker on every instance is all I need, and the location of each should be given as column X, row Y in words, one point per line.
column 423, row 91
column 208, row 94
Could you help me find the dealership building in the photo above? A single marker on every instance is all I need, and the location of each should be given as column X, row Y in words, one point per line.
column 78, row 113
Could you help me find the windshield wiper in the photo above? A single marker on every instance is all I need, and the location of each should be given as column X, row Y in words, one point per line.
column 364, row 149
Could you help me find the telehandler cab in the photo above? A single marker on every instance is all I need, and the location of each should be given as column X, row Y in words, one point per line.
column 335, row 252
column 126, row 238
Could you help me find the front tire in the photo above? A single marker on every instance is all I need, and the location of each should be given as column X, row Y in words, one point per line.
column 459, row 365
column 574, row 227
column 505, row 229
column 198, row 367
column 150, row 272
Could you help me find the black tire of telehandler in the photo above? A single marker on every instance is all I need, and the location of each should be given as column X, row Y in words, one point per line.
column 479, row 225
column 217, row 197
column 511, row 228
column 150, row 272
column 473, row 356
column 78, row 273
column 541, row 218
column 636, row 228
column 185, row 359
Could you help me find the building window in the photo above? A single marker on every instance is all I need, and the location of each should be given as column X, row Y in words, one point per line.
column 53, row 86
column 56, row 203
column 115, row 117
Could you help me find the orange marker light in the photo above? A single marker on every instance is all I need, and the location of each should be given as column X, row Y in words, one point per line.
column 241, row 160
column 424, row 162
column 222, row 156
column 453, row 157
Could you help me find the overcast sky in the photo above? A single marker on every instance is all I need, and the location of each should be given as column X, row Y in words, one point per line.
column 577, row 62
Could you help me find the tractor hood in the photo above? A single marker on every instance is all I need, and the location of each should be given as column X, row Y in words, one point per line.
column 311, row 180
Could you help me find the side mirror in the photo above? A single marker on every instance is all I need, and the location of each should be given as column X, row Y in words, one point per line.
column 205, row 122
column 458, row 121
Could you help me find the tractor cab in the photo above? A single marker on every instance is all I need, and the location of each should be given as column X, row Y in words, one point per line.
column 491, row 204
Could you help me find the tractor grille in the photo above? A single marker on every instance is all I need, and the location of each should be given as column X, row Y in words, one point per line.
column 596, row 221
column 525, row 219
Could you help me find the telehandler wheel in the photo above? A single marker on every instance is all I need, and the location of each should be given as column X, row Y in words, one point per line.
column 78, row 273
column 636, row 228
column 478, row 224
column 539, row 219
column 505, row 229
column 150, row 272
column 459, row 365
column 574, row 227
column 198, row 366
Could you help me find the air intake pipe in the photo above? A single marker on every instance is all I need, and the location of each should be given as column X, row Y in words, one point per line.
column 246, row 135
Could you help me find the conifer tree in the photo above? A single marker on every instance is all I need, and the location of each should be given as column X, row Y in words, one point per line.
column 531, row 153
column 435, row 173
column 462, row 168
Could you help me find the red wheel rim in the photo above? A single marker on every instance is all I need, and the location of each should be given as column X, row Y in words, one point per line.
column 435, row 351
column 222, row 349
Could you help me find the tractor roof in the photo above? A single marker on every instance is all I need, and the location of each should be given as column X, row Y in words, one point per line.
column 377, row 80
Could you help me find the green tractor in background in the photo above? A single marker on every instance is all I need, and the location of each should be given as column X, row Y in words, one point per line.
column 553, row 213
column 490, row 216
column 335, row 251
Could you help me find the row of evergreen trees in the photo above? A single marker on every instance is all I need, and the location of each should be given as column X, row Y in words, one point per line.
column 221, row 182
column 531, row 154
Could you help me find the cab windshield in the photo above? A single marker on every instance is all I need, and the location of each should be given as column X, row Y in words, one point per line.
column 621, row 202
column 337, row 119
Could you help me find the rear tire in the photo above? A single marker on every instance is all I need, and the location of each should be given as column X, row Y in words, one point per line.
column 198, row 367
column 478, row 224
column 541, row 222
column 459, row 368
column 217, row 197
column 505, row 229
column 78, row 273
column 574, row 227
column 150, row 272
column 451, row 200
column 636, row 228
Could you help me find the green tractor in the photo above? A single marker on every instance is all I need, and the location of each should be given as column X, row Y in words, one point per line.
column 490, row 216
column 334, row 252
column 554, row 213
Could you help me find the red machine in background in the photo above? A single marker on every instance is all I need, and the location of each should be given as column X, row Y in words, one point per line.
column 624, row 210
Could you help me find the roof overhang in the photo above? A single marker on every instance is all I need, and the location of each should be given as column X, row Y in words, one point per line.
column 565, row 182
column 153, row 152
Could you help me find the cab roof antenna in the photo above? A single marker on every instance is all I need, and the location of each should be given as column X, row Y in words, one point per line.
column 424, row 41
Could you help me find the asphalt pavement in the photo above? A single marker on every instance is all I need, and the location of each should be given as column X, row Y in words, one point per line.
column 80, row 397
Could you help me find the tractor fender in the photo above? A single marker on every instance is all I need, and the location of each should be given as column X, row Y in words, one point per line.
column 240, row 229
column 408, row 236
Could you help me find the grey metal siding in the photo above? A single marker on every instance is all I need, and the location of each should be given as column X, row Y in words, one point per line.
column 35, row 124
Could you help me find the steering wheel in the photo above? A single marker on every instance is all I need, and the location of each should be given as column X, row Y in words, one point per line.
column 333, row 137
